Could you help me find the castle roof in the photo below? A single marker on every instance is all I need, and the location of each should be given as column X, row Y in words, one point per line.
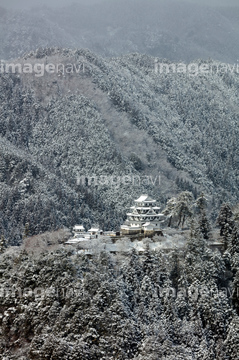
column 144, row 198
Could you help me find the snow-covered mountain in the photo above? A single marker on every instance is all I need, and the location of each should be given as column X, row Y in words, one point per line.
column 133, row 128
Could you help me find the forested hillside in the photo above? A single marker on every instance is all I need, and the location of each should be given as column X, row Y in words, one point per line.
column 116, row 117
column 101, row 103
column 168, row 305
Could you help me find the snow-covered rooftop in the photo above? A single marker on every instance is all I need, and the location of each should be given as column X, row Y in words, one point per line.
column 75, row 241
column 93, row 230
column 79, row 227
column 145, row 198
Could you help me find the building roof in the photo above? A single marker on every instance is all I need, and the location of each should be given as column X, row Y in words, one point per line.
column 75, row 241
column 129, row 227
column 143, row 215
column 79, row 227
column 144, row 198
column 143, row 208
column 93, row 230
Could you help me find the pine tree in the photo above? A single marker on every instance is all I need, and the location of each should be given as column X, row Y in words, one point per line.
column 203, row 222
column 194, row 265
column 233, row 244
column 226, row 224
column 170, row 210
column 201, row 202
column 175, row 272
column 204, row 225
column 184, row 206
column 180, row 208
column 231, row 343
column 225, row 217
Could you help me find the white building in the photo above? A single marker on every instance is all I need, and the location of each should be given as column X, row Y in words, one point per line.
column 95, row 231
column 144, row 218
column 78, row 230
column 81, row 235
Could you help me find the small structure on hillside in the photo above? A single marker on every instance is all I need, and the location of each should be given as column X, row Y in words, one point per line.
column 81, row 236
column 144, row 218
column 143, row 221
column 78, row 230
column 95, row 231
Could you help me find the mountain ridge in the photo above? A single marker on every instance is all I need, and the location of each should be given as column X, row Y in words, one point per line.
column 125, row 27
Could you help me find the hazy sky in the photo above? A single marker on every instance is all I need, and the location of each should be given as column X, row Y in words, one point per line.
column 31, row 3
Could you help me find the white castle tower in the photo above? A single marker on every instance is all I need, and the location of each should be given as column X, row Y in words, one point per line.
column 144, row 218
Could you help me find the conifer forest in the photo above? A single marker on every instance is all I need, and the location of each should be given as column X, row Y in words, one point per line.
column 101, row 103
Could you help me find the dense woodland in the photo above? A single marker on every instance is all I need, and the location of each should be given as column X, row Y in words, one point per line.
column 178, row 304
column 116, row 118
